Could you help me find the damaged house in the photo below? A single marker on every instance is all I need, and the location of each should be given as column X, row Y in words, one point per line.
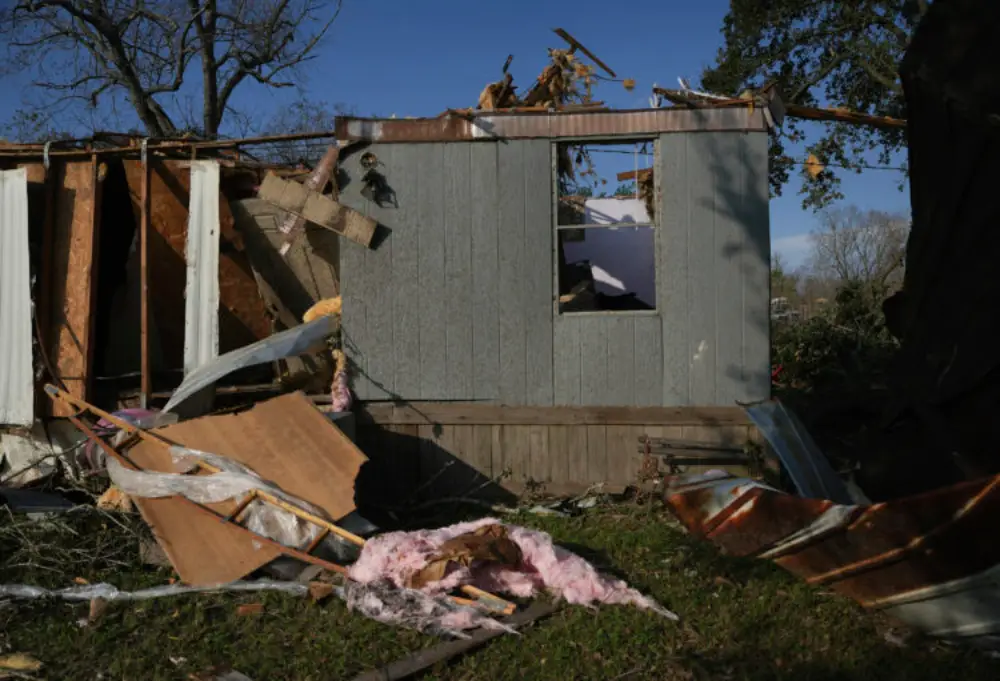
column 480, row 341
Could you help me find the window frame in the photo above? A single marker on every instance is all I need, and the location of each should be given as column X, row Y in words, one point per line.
column 654, row 224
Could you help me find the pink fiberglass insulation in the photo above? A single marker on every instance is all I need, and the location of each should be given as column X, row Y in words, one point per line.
column 545, row 567
column 340, row 393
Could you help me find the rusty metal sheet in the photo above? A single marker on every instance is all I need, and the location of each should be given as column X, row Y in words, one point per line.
column 920, row 557
column 243, row 316
column 498, row 125
column 73, row 282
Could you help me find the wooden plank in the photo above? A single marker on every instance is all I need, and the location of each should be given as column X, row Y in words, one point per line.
column 473, row 413
column 435, row 455
column 465, row 475
column 648, row 361
column 458, row 198
column 537, row 271
column 566, row 362
column 496, row 455
column 559, row 453
column 597, row 454
column 512, row 300
column 620, row 360
column 516, row 442
column 730, row 245
column 621, row 453
column 672, row 271
column 539, row 467
column 380, row 330
column 432, row 301
column 756, row 378
column 729, row 436
column 481, row 455
column 317, row 208
column 593, row 361
column 577, row 464
column 74, row 279
column 486, row 290
column 406, row 292
column 703, row 170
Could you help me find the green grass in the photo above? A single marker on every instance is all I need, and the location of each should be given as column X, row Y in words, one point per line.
column 741, row 619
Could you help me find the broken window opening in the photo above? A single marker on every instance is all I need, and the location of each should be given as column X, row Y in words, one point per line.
column 606, row 219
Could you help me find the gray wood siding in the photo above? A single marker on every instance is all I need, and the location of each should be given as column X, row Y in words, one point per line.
column 455, row 303
column 458, row 301
column 715, row 254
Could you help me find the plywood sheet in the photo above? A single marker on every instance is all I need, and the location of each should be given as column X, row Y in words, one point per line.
column 73, row 281
column 287, row 441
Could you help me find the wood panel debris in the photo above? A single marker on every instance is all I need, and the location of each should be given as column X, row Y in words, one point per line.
column 73, row 281
column 317, row 209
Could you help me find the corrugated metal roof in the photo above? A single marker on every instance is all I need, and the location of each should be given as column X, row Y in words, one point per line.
column 925, row 559
column 201, row 304
column 17, row 402
column 500, row 125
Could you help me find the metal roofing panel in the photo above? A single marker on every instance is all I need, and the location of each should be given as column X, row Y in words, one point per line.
column 500, row 125
column 17, row 404
column 201, row 305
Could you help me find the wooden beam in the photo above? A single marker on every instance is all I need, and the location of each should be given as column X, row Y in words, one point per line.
column 321, row 210
column 471, row 413
column 146, row 373
column 641, row 174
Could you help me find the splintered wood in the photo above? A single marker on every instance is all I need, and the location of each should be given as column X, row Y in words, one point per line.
column 286, row 441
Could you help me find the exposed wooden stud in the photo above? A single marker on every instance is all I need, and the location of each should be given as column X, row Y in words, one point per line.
column 146, row 380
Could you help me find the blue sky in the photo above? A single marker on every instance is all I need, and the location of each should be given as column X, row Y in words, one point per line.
column 418, row 58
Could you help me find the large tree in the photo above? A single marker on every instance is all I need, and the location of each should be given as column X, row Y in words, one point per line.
column 841, row 53
column 88, row 50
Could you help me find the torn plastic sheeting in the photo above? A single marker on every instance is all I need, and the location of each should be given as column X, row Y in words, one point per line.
column 95, row 458
column 112, row 593
column 808, row 468
column 436, row 615
column 294, row 341
column 234, row 481
column 396, row 556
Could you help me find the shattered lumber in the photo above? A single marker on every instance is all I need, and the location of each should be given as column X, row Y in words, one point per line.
column 419, row 661
column 482, row 598
column 321, row 210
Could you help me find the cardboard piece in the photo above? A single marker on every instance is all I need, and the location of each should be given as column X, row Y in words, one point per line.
column 287, row 441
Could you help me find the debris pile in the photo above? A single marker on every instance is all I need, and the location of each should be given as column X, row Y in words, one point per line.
column 492, row 556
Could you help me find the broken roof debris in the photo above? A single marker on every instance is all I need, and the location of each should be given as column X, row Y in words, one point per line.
column 229, row 495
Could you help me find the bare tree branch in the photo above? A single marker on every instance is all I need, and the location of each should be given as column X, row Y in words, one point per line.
column 143, row 49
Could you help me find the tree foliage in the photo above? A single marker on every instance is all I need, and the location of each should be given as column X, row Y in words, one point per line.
column 88, row 50
column 831, row 52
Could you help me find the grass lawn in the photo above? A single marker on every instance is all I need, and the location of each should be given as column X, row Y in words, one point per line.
column 741, row 619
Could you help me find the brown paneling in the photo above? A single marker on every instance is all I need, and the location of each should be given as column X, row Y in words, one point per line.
column 73, row 279
column 242, row 314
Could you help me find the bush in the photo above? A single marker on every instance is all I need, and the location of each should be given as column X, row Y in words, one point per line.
column 846, row 347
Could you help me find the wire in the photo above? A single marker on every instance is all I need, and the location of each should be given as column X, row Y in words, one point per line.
column 863, row 166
